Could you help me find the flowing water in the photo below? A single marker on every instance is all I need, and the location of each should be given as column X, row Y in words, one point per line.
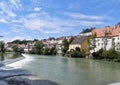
column 6, row 58
column 71, row 71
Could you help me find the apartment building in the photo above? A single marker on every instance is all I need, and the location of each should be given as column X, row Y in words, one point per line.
column 106, row 38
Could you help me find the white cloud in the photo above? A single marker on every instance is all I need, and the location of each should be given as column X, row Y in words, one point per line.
column 10, row 39
column 84, row 16
column 37, row 9
column 3, row 21
column 75, row 5
column 4, row 32
column 16, row 30
column 16, row 3
column 34, row 24
column 91, row 23
column 18, row 37
column 7, row 9
column 47, row 24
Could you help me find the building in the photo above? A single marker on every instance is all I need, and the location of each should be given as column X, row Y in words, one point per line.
column 81, row 42
column 106, row 38
column 29, row 46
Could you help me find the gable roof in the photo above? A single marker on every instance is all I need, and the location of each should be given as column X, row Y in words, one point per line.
column 79, row 40
column 113, row 30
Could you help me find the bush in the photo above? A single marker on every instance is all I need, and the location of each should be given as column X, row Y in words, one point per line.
column 77, row 53
column 96, row 55
column 110, row 55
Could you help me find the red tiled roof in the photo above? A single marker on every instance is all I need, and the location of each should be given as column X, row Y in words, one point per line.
column 113, row 30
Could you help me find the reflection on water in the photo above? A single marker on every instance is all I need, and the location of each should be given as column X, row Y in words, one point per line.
column 72, row 71
column 4, row 56
column 7, row 58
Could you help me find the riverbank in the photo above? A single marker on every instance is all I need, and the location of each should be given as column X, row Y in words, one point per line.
column 11, row 76
column 21, row 77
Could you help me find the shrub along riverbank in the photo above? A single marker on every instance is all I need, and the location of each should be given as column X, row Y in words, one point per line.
column 77, row 53
column 40, row 49
column 109, row 55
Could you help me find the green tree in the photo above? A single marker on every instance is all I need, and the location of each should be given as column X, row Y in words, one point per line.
column 38, row 47
column 93, row 41
column 15, row 48
column 53, row 50
column 77, row 53
column 46, row 51
column 2, row 46
column 65, row 46
column 50, row 51
column 71, row 39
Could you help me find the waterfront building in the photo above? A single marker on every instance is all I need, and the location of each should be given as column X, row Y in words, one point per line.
column 106, row 38
column 81, row 42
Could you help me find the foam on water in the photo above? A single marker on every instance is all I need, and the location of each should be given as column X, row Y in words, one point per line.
column 22, row 62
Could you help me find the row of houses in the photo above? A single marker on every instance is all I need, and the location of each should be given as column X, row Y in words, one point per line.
column 106, row 38
column 50, row 42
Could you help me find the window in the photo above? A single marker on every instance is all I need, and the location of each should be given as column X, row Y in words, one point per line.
column 113, row 39
column 105, row 43
column 117, row 49
column 98, row 43
column 113, row 43
column 101, row 43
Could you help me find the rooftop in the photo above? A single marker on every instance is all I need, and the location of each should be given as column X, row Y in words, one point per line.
column 112, row 30
column 79, row 40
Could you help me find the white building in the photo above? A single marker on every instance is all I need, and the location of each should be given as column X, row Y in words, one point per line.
column 29, row 46
column 106, row 38
column 85, row 34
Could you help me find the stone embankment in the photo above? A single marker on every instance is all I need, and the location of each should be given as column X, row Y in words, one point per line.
column 21, row 77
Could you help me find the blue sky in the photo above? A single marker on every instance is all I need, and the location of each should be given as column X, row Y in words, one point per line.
column 29, row 19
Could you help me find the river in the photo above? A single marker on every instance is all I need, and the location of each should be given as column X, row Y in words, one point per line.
column 71, row 71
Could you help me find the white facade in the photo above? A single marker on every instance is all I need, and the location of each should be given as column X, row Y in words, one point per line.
column 85, row 34
column 108, row 44
column 29, row 46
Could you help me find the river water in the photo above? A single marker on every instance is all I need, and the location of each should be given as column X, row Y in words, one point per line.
column 71, row 71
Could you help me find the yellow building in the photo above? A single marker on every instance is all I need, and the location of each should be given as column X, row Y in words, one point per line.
column 81, row 42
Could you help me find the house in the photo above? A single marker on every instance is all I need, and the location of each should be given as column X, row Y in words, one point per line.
column 81, row 42
column 29, row 46
column 86, row 32
column 107, row 37
column 8, row 46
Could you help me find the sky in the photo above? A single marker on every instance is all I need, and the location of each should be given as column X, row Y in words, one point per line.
column 39, row 19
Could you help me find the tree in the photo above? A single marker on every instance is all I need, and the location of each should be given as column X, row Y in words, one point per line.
column 15, row 48
column 77, row 53
column 87, row 30
column 71, row 39
column 93, row 41
column 53, row 50
column 106, row 34
column 46, row 51
column 2, row 46
column 38, row 47
column 50, row 51
column 65, row 46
